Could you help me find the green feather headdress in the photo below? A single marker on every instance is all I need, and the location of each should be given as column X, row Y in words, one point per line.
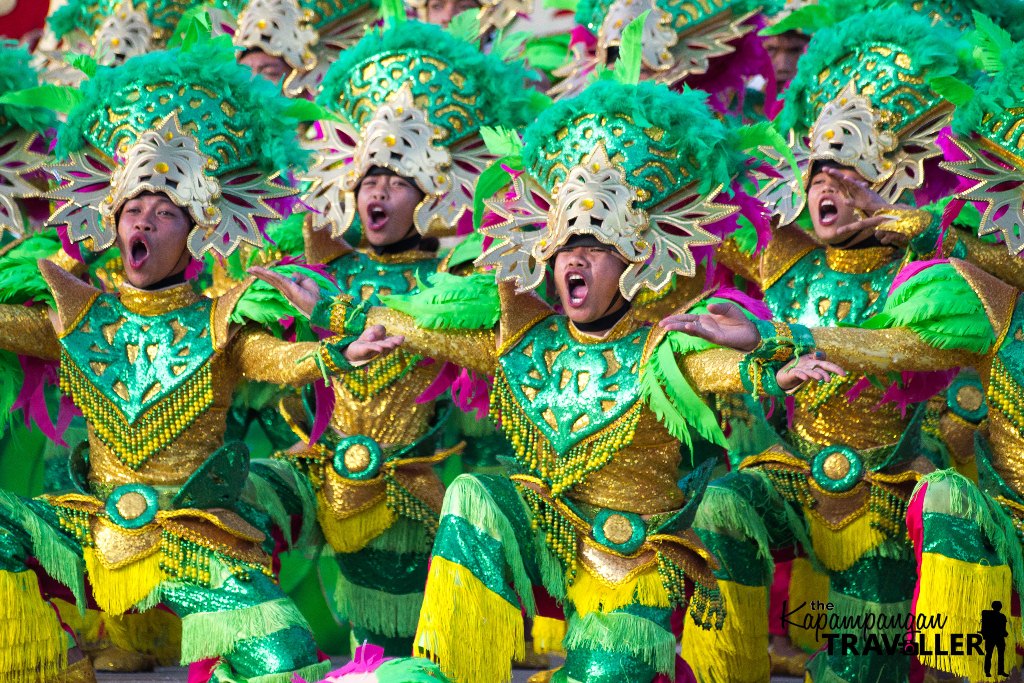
column 988, row 129
column 637, row 166
column 188, row 122
column 868, row 95
column 415, row 99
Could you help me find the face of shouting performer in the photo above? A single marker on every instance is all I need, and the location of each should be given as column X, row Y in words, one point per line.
column 587, row 281
column 386, row 203
column 152, row 234
column 831, row 208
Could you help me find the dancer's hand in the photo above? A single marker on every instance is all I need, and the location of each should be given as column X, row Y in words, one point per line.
column 301, row 290
column 870, row 203
column 723, row 324
column 811, row 366
column 373, row 343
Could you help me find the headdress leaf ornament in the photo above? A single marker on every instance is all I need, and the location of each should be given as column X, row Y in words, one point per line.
column 189, row 123
column 413, row 99
column 987, row 150
column 650, row 186
column 22, row 121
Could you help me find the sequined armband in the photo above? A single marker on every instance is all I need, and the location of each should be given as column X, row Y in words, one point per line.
column 781, row 341
column 331, row 356
column 339, row 315
column 758, row 376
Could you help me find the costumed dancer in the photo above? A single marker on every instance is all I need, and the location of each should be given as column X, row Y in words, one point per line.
column 853, row 451
column 167, row 170
column 292, row 42
column 401, row 161
column 595, row 402
column 968, row 545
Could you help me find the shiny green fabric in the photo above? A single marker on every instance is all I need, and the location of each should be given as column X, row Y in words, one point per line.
column 282, row 651
column 566, row 400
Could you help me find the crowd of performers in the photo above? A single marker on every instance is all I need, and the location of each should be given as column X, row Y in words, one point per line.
column 682, row 345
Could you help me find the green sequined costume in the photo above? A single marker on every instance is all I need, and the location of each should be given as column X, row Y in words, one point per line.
column 593, row 512
column 410, row 98
column 163, row 510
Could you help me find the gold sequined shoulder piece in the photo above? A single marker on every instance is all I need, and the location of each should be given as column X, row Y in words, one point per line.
column 320, row 247
column 659, row 332
column 223, row 307
column 71, row 296
column 788, row 245
column 998, row 298
column 519, row 312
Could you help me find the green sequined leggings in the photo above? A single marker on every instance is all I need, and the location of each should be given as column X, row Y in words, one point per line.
column 381, row 587
column 247, row 621
column 486, row 531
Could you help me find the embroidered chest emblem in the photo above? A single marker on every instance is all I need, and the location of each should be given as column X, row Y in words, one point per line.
column 139, row 380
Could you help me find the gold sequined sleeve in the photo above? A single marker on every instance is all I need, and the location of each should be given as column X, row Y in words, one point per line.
column 875, row 351
column 732, row 257
column 260, row 356
column 27, row 330
column 475, row 350
column 993, row 259
column 715, row 371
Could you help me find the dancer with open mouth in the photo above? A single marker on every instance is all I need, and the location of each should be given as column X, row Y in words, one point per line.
column 399, row 164
column 157, row 515
column 593, row 512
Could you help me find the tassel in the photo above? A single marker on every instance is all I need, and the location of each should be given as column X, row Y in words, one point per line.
column 351, row 534
column 959, row 591
column 118, row 590
column 211, row 634
column 622, row 632
column 32, row 643
column 471, row 632
column 739, row 651
column 805, row 586
column 839, row 549
column 548, row 635
column 376, row 610
column 590, row 593
column 155, row 632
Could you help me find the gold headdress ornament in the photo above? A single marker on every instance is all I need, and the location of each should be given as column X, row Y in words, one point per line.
column 494, row 15
column 142, row 127
column 281, row 28
column 621, row 163
column 413, row 100
column 679, row 40
column 166, row 160
column 862, row 94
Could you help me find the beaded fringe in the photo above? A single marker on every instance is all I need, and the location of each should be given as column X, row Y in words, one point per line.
column 738, row 652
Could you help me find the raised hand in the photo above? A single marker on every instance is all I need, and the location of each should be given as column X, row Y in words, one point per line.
column 811, row 366
column 870, row 202
column 372, row 343
column 723, row 324
column 302, row 291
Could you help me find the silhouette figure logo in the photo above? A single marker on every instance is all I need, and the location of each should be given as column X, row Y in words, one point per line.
column 993, row 631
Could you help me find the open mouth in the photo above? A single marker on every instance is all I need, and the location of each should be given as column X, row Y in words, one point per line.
column 138, row 251
column 828, row 212
column 378, row 216
column 576, row 286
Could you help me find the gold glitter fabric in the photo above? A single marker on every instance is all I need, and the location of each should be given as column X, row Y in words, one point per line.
column 28, row 331
column 858, row 260
column 873, row 352
column 993, row 258
column 472, row 349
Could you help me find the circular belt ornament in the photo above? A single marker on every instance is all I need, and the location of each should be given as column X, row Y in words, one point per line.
column 966, row 398
column 358, row 457
column 623, row 532
column 132, row 506
column 837, row 468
